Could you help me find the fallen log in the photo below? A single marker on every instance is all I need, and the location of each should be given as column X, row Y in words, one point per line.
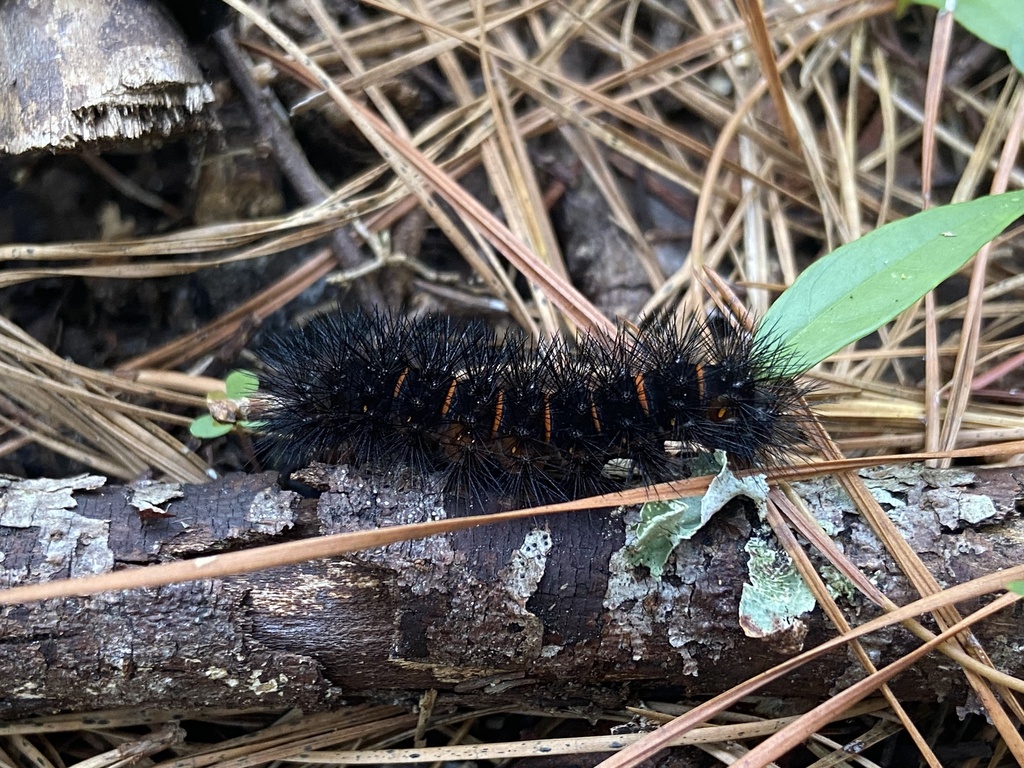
column 542, row 610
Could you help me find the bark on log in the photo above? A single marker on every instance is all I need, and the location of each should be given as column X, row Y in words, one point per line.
column 537, row 611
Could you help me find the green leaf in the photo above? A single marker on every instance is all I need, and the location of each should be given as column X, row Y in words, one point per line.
column 241, row 384
column 1000, row 23
column 862, row 285
column 206, row 427
column 1016, row 586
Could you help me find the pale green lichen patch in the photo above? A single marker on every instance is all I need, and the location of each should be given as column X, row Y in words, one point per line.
column 68, row 541
column 663, row 524
column 776, row 595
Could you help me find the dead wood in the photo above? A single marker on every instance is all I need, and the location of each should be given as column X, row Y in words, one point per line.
column 541, row 611
column 92, row 74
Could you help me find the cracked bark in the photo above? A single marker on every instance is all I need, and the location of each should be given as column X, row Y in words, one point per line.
column 539, row 611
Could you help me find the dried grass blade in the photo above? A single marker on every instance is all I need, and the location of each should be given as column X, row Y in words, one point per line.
column 778, row 501
column 757, row 28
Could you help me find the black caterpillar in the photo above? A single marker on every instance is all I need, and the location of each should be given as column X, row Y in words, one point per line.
column 519, row 421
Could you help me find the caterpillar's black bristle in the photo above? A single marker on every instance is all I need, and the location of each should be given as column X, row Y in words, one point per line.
column 515, row 420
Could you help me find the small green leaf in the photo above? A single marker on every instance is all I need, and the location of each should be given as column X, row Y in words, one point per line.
column 206, row 427
column 241, row 384
column 1000, row 23
column 860, row 286
column 1016, row 586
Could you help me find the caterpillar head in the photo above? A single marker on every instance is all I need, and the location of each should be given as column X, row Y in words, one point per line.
column 748, row 416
